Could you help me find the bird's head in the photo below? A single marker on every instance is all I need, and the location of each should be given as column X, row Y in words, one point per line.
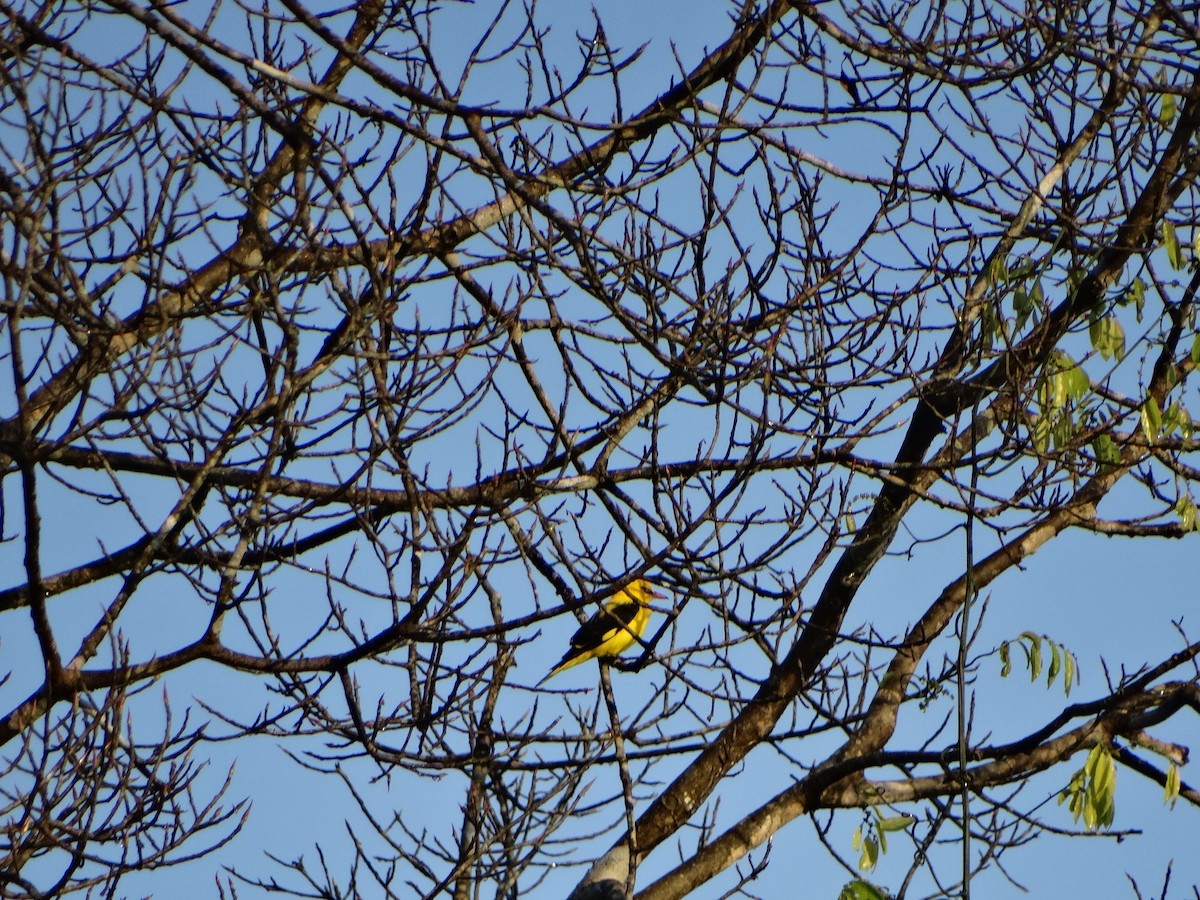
column 642, row 591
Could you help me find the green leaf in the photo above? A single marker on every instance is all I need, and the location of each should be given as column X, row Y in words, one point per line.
column 999, row 270
column 1056, row 655
column 1176, row 420
column 1041, row 433
column 1099, row 767
column 1033, row 653
column 1021, row 305
column 1171, row 787
column 1166, row 110
column 1106, row 449
column 1070, row 672
column 1064, row 430
column 1185, row 508
column 1108, row 337
column 1135, row 294
column 861, row 890
column 1078, row 383
column 1058, row 392
column 856, row 838
column 896, row 823
column 1064, row 380
column 1196, row 349
column 870, row 855
column 1073, row 794
column 1078, row 805
column 989, row 328
column 1062, row 660
column 1025, row 300
column 1100, row 806
column 1062, row 385
column 1151, row 419
column 1174, row 251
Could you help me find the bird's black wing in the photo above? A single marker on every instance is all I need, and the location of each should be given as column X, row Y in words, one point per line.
column 596, row 630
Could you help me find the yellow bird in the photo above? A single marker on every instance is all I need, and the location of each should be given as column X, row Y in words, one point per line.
column 613, row 629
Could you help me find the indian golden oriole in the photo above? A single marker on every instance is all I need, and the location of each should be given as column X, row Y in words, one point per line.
column 613, row 629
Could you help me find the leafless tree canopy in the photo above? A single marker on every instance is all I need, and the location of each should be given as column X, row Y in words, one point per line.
column 351, row 353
